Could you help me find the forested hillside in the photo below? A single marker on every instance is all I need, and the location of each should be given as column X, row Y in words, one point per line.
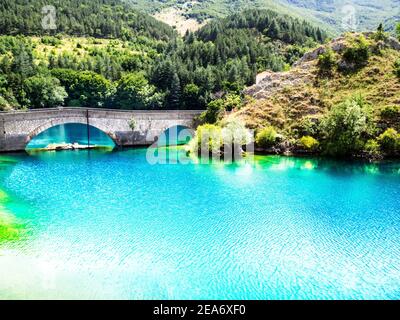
column 267, row 22
column 96, row 18
column 142, row 68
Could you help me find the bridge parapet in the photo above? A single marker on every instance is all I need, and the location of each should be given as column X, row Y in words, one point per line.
column 18, row 128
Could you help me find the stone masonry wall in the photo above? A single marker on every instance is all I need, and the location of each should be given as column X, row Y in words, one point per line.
column 18, row 128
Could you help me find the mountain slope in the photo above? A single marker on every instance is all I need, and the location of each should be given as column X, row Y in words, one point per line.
column 287, row 99
column 332, row 15
column 368, row 14
column 341, row 100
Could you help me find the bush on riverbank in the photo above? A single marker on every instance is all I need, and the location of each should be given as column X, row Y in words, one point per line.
column 391, row 113
column 208, row 138
column 309, row 144
column 372, row 149
column 234, row 132
column 230, row 135
column 389, row 142
column 346, row 126
column 267, row 137
column 349, row 129
column 217, row 108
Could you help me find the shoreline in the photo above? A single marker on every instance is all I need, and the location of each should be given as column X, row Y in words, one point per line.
column 258, row 152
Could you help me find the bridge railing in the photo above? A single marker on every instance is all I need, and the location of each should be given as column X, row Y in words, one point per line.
column 99, row 109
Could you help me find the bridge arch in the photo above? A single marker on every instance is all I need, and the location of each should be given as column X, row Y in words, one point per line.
column 57, row 122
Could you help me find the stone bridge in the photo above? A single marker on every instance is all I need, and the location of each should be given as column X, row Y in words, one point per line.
column 18, row 128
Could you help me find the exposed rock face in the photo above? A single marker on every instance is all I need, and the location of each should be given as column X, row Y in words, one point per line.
column 337, row 45
column 393, row 43
column 273, row 82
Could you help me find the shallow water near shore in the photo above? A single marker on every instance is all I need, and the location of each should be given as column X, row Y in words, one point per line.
column 110, row 225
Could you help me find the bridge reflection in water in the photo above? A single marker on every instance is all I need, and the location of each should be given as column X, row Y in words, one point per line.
column 71, row 133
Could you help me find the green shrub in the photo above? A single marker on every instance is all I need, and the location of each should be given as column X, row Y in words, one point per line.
column 372, row 147
column 214, row 112
column 345, row 126
column 327, row 61
column 135, row 92
column 4, row 104
column 234, row 132
column 208, row 138
column 132, row 123
column 89, row 88
column 44, row 91
column 358, row 51
column 398, row 31
column 267, row 137
column 191, row 97
column 306, row 127
column 391, row 112
column 216, row 108
column 309, row 143
column 232, row 101
column 50, row 41
column 390, row 141
column 397, row 68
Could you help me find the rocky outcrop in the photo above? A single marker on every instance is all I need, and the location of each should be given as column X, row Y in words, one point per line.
column 393, row 43
column 339, row 45
column 273, row 82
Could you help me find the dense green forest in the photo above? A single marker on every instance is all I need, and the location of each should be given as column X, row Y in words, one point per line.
column 97, row 18
column 104, row 54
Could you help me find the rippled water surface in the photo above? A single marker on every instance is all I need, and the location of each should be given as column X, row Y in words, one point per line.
column 110, row 225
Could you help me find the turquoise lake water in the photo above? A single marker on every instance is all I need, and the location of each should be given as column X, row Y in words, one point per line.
column 71, row 133
column 110, row 225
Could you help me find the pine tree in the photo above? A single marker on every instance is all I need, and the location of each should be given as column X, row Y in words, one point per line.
column 23, row 62
column 174, row 97
column 274, row 30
